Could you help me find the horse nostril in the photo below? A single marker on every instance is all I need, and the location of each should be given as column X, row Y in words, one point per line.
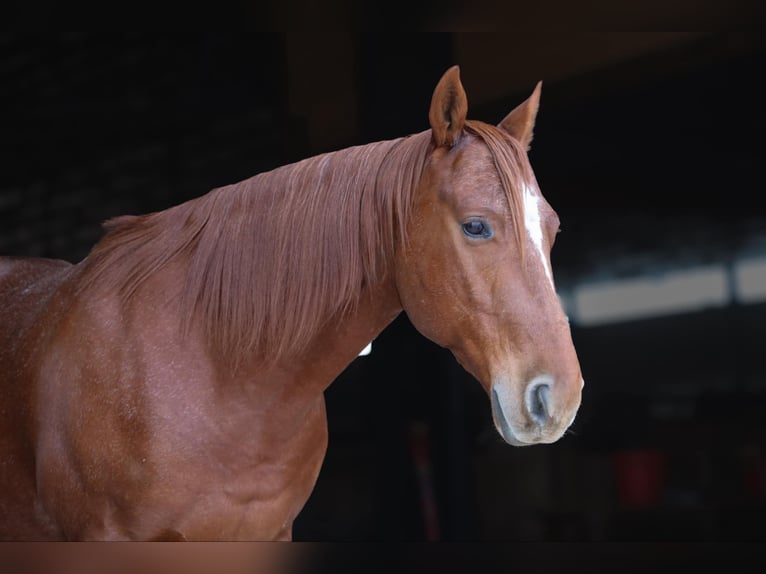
column 538, row 401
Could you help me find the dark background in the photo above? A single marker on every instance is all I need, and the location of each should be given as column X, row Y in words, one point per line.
column 649, row 146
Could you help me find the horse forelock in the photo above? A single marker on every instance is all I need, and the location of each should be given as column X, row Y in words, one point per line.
column 512, row 168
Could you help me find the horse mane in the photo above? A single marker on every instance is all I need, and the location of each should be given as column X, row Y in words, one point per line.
column 271, row 259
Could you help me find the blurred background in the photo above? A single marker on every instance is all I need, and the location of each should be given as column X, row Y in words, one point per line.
column 649, row 145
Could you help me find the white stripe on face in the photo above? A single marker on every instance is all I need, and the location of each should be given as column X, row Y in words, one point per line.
column 535, row 228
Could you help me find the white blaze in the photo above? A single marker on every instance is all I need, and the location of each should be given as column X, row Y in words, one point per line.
column 535, row 227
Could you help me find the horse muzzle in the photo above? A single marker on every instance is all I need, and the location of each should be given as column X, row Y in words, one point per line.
column 538, row 413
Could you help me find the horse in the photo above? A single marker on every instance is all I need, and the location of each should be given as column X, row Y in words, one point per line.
column 169, row 386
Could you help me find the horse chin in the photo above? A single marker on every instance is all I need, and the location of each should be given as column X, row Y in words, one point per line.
column 510, row 438
column 514, row 439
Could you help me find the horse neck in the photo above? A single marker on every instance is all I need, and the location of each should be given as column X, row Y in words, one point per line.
column 323, row 282
column 339, row 343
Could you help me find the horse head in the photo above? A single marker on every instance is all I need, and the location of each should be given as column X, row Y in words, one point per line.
column 474, row 274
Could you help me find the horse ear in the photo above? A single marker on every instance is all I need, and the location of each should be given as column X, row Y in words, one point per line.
column 520, row 123
column 449, row 106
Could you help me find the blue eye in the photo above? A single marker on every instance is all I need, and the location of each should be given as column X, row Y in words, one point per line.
column 477, row 229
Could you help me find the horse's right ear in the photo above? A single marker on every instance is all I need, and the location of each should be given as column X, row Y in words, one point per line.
column 449, row 106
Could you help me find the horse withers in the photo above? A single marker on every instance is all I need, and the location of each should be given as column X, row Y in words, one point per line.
column 170, row 385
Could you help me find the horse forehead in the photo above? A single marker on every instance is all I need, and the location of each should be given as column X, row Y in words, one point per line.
column 474, row 159
column 473, row 168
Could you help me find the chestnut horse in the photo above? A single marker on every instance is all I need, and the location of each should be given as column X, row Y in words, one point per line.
column 170, row 385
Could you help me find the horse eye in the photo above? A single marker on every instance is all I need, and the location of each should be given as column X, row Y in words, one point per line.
column 477, row 229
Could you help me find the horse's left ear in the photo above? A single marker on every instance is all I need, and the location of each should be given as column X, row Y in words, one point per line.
column 520, row 123
column 449, row 106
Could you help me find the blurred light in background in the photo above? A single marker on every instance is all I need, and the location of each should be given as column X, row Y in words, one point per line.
column 673, row 292
column 677, row 291
column 750, row 280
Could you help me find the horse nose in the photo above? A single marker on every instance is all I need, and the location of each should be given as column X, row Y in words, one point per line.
column 538, row 400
